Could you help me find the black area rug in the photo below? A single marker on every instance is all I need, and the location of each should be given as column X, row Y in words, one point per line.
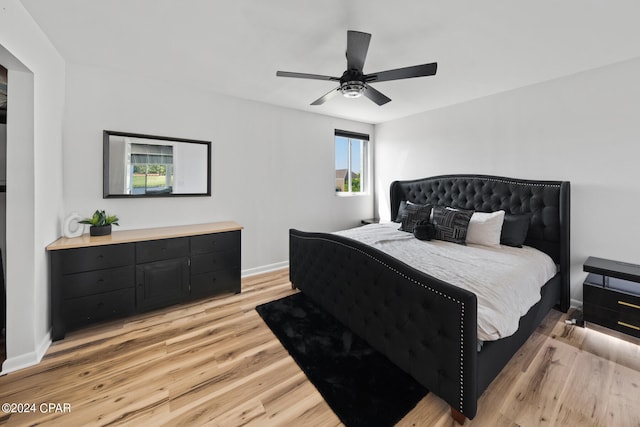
column 361, row 386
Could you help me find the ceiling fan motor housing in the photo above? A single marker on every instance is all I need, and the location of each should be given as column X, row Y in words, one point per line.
column 352, row 83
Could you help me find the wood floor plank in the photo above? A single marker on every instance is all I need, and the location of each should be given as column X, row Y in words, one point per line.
column 224, row 395
column 622, row 407
column 215, row 363
column 582, row 396
column 533, row 397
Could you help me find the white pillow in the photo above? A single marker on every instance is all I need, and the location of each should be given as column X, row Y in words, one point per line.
column 485, row 228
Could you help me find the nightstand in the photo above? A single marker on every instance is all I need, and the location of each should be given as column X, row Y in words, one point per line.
column 370, row 221
column 611, row 295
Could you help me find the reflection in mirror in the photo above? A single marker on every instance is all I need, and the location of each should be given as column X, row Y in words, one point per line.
column 138, row 165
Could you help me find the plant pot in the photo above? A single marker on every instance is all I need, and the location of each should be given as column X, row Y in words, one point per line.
column 102, row 230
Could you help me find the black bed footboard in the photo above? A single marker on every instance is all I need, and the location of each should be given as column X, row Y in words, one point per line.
column 425, row 326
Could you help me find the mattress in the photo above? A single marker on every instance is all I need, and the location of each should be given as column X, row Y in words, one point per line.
column 505, row 280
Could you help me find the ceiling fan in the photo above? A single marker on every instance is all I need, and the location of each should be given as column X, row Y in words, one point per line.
column 354, row 82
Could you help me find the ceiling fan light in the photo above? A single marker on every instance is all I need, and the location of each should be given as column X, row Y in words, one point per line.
column 352, row 89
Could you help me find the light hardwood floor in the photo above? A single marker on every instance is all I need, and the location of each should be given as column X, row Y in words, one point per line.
column 216, row 363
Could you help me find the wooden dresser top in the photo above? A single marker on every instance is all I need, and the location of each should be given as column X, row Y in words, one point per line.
column 144, row 234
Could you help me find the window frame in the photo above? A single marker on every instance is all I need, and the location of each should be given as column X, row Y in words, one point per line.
column 364, row 160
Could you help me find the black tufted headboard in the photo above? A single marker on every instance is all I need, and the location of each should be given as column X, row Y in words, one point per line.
column 548, row 202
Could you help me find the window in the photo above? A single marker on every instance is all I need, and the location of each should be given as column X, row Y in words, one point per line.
column 351, row 162
column 151, row 169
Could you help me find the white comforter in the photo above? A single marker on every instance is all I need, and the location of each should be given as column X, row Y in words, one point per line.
column 506, row 280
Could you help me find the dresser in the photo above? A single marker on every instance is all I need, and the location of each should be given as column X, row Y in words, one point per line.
column 611, row 294
column 98, row 278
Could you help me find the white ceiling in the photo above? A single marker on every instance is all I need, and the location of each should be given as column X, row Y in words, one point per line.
column 235, row 47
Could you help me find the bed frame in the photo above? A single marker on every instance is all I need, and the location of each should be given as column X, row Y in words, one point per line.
column 426, row 326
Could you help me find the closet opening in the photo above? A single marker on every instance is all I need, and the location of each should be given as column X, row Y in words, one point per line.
column 3, row 210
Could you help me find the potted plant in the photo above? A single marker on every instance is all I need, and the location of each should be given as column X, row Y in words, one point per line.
column 100, row 223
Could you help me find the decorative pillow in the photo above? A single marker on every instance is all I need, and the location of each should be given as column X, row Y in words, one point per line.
column 485, row 228
column 401, row 208
column 412, row 214
column 515, row 229
column 423, row 230
column 451, row 225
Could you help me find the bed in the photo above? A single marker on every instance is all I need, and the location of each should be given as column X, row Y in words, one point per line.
column 427, row 326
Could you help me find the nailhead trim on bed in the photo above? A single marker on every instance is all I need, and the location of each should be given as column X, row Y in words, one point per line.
column 422, row 285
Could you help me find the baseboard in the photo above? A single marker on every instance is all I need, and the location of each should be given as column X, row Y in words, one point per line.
column 22, row 361
column 264, row 269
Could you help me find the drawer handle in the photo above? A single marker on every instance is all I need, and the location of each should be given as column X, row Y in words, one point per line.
column 637, row 328
column 628, row 304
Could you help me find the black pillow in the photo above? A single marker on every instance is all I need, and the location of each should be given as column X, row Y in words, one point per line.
column 515, row 229
column 451, row 225
column 412, row 214
column 424, row 230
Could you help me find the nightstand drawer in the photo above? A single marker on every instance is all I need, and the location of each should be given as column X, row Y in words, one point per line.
column 229, row 240
column 612, row 319
column 611, row 298
column 97, row 282
column 629, row 313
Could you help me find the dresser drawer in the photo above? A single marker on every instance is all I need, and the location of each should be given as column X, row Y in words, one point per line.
column 78, row 312
column 97, row 282
column 204, row 263
column 216, row 282
column 157, row 250
column 95, row 258
column 229, row 240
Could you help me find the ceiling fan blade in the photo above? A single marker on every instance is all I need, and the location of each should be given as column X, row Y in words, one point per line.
column 324, row 98
column 306, row 76
column 375, row 95
column 357, row 47
column 403, row 73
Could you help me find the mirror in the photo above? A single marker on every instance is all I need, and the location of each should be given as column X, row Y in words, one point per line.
column 137, row 165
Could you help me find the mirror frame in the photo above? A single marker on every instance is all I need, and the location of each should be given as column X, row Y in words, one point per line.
column 105, row 165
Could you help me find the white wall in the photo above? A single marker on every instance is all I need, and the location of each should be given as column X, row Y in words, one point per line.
column 190, row 168
column 34, row 178
column 273, row 168
column 583, row 128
